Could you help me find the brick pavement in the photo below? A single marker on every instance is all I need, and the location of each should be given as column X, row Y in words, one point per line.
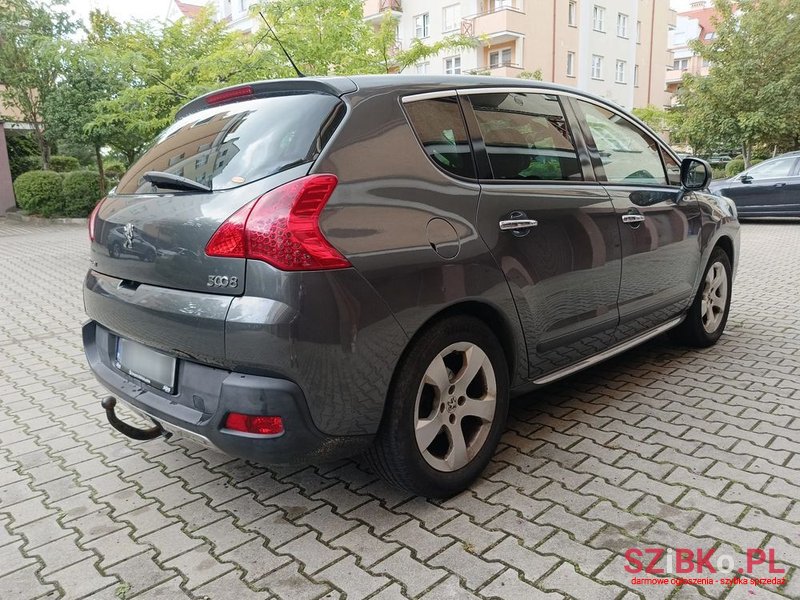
column 661, row 446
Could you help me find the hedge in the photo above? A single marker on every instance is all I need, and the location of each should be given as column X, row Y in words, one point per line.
column 62, row 164
column 81, row 192
column 734, row 167
column 40, row 192
column 114, row 169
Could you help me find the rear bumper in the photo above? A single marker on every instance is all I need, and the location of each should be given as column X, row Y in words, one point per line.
column 205, row 395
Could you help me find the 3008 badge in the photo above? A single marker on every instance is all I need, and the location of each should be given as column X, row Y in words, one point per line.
column 222, row 281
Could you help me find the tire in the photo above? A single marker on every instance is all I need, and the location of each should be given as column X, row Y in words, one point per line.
column 708, row 314
column 465, row 357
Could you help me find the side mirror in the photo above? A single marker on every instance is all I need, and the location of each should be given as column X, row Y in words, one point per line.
column 695, row 173
column 746, row 178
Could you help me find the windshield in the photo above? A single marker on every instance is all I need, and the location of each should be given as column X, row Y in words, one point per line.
column 234, row 144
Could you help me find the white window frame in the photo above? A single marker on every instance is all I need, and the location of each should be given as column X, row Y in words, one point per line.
column 455, row 25
column 635, row 75
column 572, row 14
column 638, row 32
column 597, row 66
column 422, row 68
column 570, row 63
column 599, row 18
column 499, row 54
column 620, row 71
column 454, row 67
column 622, row 25
column 422, row 25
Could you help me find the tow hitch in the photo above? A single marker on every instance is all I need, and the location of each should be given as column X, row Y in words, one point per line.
column 108, row 403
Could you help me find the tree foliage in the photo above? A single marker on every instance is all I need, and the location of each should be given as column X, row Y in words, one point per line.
column 32, row 35
column 749, row 97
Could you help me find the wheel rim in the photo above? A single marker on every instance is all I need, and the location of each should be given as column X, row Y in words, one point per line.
column 715, row 297
column 455, row 406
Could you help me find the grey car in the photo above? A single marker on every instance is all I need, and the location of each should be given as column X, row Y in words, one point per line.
column 767, row 189
column 377, row 264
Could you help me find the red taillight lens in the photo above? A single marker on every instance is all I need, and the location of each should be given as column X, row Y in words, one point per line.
column 225, row 95
column 93, row 219
column 282, row 228
column 257, row 424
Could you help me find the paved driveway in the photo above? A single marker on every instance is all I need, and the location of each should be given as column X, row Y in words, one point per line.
column 661, row 447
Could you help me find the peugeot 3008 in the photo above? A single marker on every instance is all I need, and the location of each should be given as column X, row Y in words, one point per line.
column 378, row 263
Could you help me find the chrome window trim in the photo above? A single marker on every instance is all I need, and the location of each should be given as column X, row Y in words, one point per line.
column 428, row 96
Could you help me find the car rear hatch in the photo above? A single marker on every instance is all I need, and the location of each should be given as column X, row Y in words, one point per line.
column 224, row 151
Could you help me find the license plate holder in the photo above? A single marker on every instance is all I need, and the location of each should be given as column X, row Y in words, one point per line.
column 146, row 365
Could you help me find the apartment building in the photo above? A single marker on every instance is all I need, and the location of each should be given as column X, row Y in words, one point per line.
column 614, row 48
column 695, row 24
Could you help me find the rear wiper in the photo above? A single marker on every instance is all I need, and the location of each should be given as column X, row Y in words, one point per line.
column 174, row 182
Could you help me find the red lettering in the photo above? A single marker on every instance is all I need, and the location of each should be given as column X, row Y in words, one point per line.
column 755, row 556
column 684, row 560
column 657, row 554
column 635, row 565
column 705, row 560
column 772, row 567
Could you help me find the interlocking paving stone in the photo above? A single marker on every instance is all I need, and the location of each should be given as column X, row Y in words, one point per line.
column 663, row 446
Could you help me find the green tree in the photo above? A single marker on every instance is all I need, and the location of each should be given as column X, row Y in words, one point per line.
column 163, row 69
column 91, row 76
column 749, row 96
column 32, row 35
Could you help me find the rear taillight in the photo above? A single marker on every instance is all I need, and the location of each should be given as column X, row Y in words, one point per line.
column 282, row 228
column 93, row 218
column 256, row 424
column 231, row 94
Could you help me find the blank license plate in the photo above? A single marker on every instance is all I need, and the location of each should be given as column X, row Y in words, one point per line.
column 142, row 363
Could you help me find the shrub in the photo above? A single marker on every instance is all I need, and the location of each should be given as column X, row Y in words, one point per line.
column 734, row 167
column 62, row 164
column 81, row 193
column 40, row 192
column 114, row 169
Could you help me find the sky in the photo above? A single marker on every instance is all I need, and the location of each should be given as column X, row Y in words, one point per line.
column 126, row 10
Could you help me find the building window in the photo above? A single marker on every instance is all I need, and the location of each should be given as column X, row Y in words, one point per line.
column 500, row 58
column 422, row 68
column 243, row 5
column 422, row 25
column 635, row 75
column 706, row 63
column 498, row 4
column 451, row 16
column 572, row 14
column 452, row 65
column 597, row 66
column 619, row 75
column 638, row 32
column 570, row 64
column 599, row 18
column 622, row 25
column 681, row 64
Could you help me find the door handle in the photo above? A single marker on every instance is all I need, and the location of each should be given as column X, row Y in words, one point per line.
column 517, row 224
column 632, row 218
column 780, row 184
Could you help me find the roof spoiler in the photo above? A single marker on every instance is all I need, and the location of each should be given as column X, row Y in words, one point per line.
column 335, row 86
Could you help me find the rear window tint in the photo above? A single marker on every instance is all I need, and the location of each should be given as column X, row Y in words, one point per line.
column 235, row 144
column 440, row 127
column 526, row 137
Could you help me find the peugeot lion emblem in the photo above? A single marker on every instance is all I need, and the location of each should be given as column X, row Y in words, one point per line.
column 129, row 235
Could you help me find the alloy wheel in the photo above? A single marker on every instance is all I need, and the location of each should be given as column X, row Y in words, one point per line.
column 715, row 297
column 455, row 406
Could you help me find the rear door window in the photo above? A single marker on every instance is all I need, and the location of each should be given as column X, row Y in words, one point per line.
column 234, row 144
column 441, row 130
column 772, row 169
column 526, row 136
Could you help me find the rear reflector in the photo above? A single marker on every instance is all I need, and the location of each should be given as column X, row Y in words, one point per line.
column 257, row 424
column 282, row 228
column 93, row 218
column 231, row 94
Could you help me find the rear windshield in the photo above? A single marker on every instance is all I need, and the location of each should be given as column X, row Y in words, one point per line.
column 235, row 144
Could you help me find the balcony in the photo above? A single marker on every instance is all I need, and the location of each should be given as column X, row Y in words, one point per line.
column 502, row 24
column 501, row 70
column 374, row 10
column 675, row 75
